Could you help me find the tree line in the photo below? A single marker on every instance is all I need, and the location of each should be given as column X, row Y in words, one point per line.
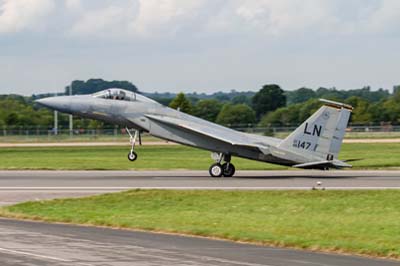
column 270, row 106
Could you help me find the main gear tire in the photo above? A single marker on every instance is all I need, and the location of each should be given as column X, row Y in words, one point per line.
column 228, row 169
column 216, row 170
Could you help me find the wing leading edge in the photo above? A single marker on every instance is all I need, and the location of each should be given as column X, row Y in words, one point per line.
column 230, row 137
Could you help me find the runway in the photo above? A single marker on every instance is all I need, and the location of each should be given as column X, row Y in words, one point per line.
column 30, row 243
column 17, row 186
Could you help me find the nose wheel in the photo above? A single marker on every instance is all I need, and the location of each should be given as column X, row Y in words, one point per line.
column 132, row 156
column 226, row 169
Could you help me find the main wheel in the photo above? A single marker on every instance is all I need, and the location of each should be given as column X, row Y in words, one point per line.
column 216, row 170
column 132, row 156
column 228, row 169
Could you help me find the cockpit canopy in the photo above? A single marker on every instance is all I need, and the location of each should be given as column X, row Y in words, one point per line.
column 121, row 95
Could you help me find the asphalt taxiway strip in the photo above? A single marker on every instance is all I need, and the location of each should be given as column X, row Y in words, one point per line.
column 32, row 243
column 17, row 186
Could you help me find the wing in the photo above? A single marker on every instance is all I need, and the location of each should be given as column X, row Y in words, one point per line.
column 208, row 131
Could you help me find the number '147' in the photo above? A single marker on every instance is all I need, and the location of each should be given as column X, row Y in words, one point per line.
column 306, row 145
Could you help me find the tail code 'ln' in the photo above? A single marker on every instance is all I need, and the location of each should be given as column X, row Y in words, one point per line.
column 321, row 135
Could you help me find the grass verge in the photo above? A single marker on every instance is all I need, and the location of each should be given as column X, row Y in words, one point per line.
column 358, row 222
column 28, row 137
column 374, row 155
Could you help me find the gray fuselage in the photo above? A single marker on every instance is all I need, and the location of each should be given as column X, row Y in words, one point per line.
column 315, row 144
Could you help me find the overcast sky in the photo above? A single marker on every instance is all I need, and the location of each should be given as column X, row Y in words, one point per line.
column 199, row 45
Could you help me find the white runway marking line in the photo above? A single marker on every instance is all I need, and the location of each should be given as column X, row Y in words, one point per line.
column 10, row 251
column 93, row 189
column 171, row 256
column 143, row 252
column 28, row 254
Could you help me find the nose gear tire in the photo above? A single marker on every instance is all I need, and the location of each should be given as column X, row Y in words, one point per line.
column 132, row 156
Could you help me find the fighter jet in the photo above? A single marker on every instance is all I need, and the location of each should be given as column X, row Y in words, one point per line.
column 315, row 144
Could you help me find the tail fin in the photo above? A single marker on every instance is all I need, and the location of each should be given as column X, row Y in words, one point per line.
column 321, row 135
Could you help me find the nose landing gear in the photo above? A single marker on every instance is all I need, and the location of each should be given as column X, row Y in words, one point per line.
column 226, row 169
column 132, row 156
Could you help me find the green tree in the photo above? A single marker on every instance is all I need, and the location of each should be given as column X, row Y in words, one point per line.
column 95, row 124
column 269, row 98
column 95, row 85
column 361, row 113
column 330, row 94
column 12, row 119
column 241, row 99
column 290, row 115
column 299, row 96
column 391, row 108
column 396, row 89
column 163, row 101
column 238, row 114
column 207, row 109
column 182, row 103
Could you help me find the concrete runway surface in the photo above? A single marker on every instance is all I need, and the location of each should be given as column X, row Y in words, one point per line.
column 17, row 186
column 31, row 243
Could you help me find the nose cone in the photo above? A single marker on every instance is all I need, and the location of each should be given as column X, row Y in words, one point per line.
column 62, row 103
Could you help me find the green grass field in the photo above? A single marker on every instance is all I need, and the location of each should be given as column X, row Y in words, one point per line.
column 32, row 137
column 375, row 156
column 360, row 222
column 74, row 138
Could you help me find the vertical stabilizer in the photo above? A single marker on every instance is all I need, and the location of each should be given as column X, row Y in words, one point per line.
column 321, row 135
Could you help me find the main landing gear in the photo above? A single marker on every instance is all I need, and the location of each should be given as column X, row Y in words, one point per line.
column 226, row 169
column 132, row 156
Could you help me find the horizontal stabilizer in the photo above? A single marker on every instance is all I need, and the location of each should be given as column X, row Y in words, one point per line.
column 353, row 160
column 323, row 165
